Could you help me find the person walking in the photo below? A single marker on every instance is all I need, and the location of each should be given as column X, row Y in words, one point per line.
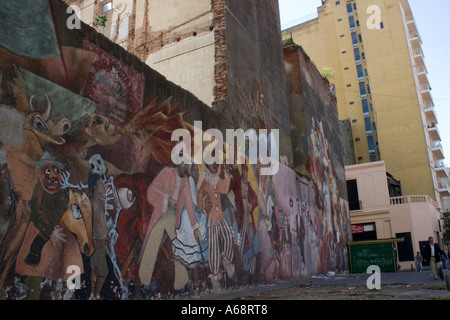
column 432, row 253
column 418, row 261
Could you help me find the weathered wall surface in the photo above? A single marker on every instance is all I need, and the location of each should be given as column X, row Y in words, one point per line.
column 315, row 130
column 254, row 59
column 87, row 180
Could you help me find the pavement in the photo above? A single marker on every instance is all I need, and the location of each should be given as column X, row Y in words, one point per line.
column 406, row 283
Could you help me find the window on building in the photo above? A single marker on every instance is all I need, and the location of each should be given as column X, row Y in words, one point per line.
column 357, row 55
column 354, row 39
column 372, row 158
column 368, row 125
column 354, row 6
column 107, row 7
column 359, row 70
column 365, row 105
column 351, row 20
column 362, row 89
column 338, row 3
column 353, row 197
column 374, row 126
column 381, row 25
column 360, row 38
column 371, row 144
column 349, row 8
column 405, row 247
column 364, row 232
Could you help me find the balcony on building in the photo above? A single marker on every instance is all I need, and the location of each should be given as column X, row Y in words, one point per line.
column 441, row 169
column 443, row 187
column 430, row 113
column 438, row 152
column 433, row 131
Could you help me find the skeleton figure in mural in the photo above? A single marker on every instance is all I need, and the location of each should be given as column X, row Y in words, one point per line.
column 111, row 205
column 220, row 236
column 68, row 232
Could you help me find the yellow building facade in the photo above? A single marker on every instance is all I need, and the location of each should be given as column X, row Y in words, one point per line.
column 374, row 50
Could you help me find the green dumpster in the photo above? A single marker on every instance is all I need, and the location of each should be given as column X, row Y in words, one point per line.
column 381, row 253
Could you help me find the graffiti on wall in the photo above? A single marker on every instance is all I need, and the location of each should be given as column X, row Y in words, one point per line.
column 87, row 180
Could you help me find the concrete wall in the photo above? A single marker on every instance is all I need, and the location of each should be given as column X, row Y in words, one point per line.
column 79, row 107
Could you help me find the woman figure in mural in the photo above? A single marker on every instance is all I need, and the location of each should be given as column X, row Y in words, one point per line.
column 191, row 246
column 220, row 237
column 169, row 193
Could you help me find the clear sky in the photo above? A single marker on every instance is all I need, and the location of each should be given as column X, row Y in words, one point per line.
column 432, row 22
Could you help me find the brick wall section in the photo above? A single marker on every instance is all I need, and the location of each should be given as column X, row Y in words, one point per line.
column 220, row 55
column 291, row 57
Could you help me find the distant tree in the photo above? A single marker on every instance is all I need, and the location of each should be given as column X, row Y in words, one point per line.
column 100, row 21
column 327, row 72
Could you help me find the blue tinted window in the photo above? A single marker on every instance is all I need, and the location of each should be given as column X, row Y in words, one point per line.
column 357, row 55
column 371, row 144
column 351, row 20
column 359, row 70
column 354, row 38
column 349, row 8
column 362, row 89
column 365, row 105
column 368, row 124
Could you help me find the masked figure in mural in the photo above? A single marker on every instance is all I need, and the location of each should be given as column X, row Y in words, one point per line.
column 169, row 193
column 220, row 249
column 191, row 250
column 246, row 202
column 60, row 216
column 39, row 132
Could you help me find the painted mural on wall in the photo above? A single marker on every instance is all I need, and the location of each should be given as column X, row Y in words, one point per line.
column 88, row 188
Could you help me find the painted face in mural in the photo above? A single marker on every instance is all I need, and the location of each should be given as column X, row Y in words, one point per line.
column 100, row 129
column 50, row 177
